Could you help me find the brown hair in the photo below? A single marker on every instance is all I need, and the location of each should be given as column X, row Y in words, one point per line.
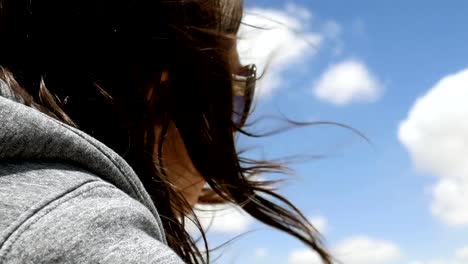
column 91, row 64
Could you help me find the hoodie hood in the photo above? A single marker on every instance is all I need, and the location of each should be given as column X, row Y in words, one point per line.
column 29, row 135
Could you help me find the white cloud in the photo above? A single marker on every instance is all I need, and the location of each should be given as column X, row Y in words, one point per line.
column 462, row 254
column 365, row 250
column 436, row 261
column 307, row 256
column 221, row 219
column 347, row 82
column 435, row 133
column 449, row 201
column 320, row 223
column 354, row 250
column 284, row 39
column 304, row 256
column 261, row 252
column 460, row 257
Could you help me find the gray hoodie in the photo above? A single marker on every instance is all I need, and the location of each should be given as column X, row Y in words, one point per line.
column 67, row 198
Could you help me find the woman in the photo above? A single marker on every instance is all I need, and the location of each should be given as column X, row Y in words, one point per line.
column 138, row 106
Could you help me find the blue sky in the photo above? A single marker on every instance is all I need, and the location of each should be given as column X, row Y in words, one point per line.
column 380, row 196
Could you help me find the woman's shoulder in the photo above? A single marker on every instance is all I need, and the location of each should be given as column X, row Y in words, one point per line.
column 26, row 188
column 53, row 211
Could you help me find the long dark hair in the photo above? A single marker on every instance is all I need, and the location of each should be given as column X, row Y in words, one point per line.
column 91, row 63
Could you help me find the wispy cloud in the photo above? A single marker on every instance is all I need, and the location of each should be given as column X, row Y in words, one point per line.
column 226, row 219
column 279, row 39
column 366, row 250
column 348, row 82
column 354, row 250
column 320, row 223
column 333, row 31
column 433, row 261
column 435, row 135
column 460, row 257
column 261, row 252
column 462, row 254
column 303, row 256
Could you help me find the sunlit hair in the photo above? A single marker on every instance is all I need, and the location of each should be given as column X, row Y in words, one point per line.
column 92, row 64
